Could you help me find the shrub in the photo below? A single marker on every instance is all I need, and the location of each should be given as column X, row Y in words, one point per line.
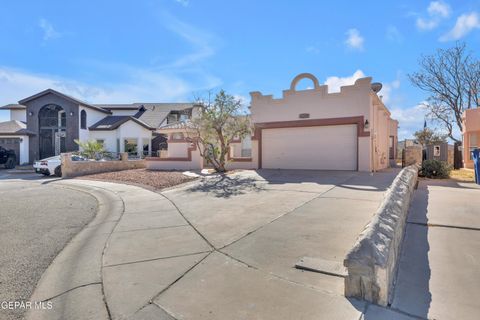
column 435, row 169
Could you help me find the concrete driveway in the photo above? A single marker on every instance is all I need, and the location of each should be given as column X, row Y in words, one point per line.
column 438, row 272
column 224, row 247
column 261, row 223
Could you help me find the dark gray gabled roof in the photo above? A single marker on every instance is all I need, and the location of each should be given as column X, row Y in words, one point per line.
column 74, row 100
column 153, row 114
column 14, row 128
column 177, row 125
column 113, row 122
column 13, row 106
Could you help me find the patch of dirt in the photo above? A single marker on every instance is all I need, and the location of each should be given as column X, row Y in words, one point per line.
column 150, row 179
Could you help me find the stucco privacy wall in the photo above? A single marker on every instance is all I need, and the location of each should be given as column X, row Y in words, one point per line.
column 372, row 262
column 238, row 162
column 413, row 155
column 80, row 168
column 317, row 103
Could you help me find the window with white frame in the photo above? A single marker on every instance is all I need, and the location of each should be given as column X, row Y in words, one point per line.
column 473, row 143
column 247, row 146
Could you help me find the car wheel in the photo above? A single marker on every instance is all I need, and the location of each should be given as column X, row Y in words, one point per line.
column 10, row 164
column 58, row 171
column 45, row 173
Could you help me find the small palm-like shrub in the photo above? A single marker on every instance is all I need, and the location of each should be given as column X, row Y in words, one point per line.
column 435, row 169
column 92, row 149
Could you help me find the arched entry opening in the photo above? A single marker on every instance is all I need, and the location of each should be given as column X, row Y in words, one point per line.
column 52, row 124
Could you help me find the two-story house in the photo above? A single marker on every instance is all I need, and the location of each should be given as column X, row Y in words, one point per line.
column 49, row 122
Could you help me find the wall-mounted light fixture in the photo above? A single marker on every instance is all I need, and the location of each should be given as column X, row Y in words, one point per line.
column 30, row 113
column 366, row 125
column 71, row 113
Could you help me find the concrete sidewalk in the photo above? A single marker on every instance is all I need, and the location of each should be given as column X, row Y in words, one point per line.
column 438, row 274
column 223, row 248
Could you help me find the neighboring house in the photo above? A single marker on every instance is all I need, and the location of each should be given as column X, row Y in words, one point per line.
column 306, row 129
column 47, row 124
column 470, row 134
column 15, row 136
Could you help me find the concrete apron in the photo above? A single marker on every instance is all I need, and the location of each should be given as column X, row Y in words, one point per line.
column 145, row 260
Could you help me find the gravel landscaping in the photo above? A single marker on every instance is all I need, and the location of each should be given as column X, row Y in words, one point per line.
column 143, row 178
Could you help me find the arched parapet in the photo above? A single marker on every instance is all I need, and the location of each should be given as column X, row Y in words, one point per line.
column 302, row 76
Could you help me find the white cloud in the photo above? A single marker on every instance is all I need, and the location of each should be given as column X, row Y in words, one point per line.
column 354, row 39
column 410, row 120
column 49, row 31
column 438, row 8
column 142, row 86
column 425, row 24
column 465, row 23
column 334, row 83
column 387, row 89
column 437, row 11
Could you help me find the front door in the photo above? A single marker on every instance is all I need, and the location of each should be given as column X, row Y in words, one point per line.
column 52, row 123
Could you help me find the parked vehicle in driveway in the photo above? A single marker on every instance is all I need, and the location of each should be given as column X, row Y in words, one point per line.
column 53, row 165
column 8, row 158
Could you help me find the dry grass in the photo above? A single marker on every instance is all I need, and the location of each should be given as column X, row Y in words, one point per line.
column 148, row 179
column 463, row 175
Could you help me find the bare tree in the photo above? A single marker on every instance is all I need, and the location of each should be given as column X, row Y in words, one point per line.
column 452, row 77
column 220, row 122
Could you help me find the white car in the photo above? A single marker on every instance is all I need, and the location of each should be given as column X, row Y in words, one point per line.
column 53, row 165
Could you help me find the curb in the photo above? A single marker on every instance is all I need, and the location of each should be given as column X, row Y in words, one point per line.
column 373, row 260
column 72, row 285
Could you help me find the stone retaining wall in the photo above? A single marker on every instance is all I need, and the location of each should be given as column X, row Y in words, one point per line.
column 372, row 262
column 72, row 169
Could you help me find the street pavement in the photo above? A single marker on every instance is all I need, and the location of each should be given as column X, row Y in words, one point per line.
column 37, row 219
column 439, row 268
column 221, row 248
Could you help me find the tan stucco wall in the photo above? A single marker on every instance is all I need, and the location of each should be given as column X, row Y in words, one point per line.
column 471, row 126
column 352, row 101
column 380, row 135
column 413, row 155
column 79, row 168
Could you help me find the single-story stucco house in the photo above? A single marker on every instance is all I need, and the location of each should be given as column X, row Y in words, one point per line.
column 304, row 129
column 470, row 135
column 48, row 122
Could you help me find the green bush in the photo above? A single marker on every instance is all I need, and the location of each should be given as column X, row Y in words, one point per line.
column 435, row 169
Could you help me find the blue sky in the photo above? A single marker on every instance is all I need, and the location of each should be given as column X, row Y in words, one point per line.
column 173, row 50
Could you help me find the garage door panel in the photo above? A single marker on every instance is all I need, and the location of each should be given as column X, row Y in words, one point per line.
column 318, row 148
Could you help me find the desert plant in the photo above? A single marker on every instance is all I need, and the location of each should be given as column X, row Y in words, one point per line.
column 91, row 149
column 435, row 169
column 219, row 123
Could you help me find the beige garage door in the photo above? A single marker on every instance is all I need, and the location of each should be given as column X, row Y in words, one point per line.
column 318, row 148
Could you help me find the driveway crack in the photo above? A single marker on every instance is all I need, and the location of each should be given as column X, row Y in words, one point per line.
column 285, row 214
